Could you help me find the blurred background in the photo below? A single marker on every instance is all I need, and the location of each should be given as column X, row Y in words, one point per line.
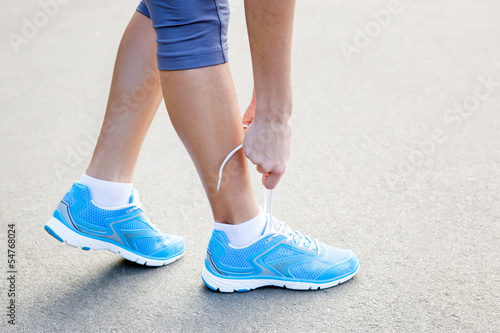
column 396, row 155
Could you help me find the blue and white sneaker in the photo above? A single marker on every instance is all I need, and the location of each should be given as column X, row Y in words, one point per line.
column 123, row 230
column 281, row 257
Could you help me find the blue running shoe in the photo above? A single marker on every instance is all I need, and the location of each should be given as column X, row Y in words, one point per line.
column 123, row 230
column 281, row 257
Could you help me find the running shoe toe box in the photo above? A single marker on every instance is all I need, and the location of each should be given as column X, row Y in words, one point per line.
column 343, row 263
column 161, row 247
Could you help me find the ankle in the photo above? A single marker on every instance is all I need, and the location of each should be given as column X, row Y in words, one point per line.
column 235, row 213
column 107, row 193
column 109, row 175
column 244, row 233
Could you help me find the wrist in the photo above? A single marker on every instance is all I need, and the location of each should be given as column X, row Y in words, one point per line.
column 275, row 108
column 280, row 122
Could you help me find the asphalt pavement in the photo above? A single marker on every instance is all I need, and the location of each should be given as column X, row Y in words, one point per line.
column 396, row 155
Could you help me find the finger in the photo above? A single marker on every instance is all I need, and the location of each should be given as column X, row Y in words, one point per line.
column 247, row 118
column 260, row 169
column 250, row 112
column 271, row 181
column 246, row 122
column 264, row 178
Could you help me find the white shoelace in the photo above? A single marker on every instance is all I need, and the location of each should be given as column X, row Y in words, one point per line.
column 224, row 163
column 289, row 233
column 138, row 205
column 275, row 225
column 231, row 153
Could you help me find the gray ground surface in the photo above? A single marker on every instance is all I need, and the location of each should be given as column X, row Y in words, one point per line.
column 385, row 161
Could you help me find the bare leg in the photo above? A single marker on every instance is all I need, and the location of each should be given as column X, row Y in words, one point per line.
column 134, row 98
column 208, row 122
column 204, row 110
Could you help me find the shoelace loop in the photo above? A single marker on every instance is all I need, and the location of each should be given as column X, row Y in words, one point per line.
column 138, row 207
column 283, row 229
column 231, row 153
column 299, row 238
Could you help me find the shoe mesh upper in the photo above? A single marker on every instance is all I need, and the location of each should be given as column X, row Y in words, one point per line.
column 96, row 216
column 134, row 224
column 279, row 257
column 69, row 199
column 148, row 245
column 92, row 214
column 345, row 271
column 126, row 227
column 334, row 255
column 238, row 258
column 308, row 270
column 211, row 248
column 281, row 253
column 281, row 267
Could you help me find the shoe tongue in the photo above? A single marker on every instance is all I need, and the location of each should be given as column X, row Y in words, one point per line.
column 296, row 236
column 272, row 225
column 275, row 225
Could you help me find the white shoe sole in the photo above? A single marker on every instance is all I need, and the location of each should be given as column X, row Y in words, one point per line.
column 65, row 234
column 230, row 285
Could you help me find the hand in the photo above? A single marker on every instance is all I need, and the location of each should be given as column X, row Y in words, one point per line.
column 267, row 144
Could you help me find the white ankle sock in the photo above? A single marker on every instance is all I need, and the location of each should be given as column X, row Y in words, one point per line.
column 107, row 194
column 243, row 233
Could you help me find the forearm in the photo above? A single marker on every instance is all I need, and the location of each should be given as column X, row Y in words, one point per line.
column 270, row 29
